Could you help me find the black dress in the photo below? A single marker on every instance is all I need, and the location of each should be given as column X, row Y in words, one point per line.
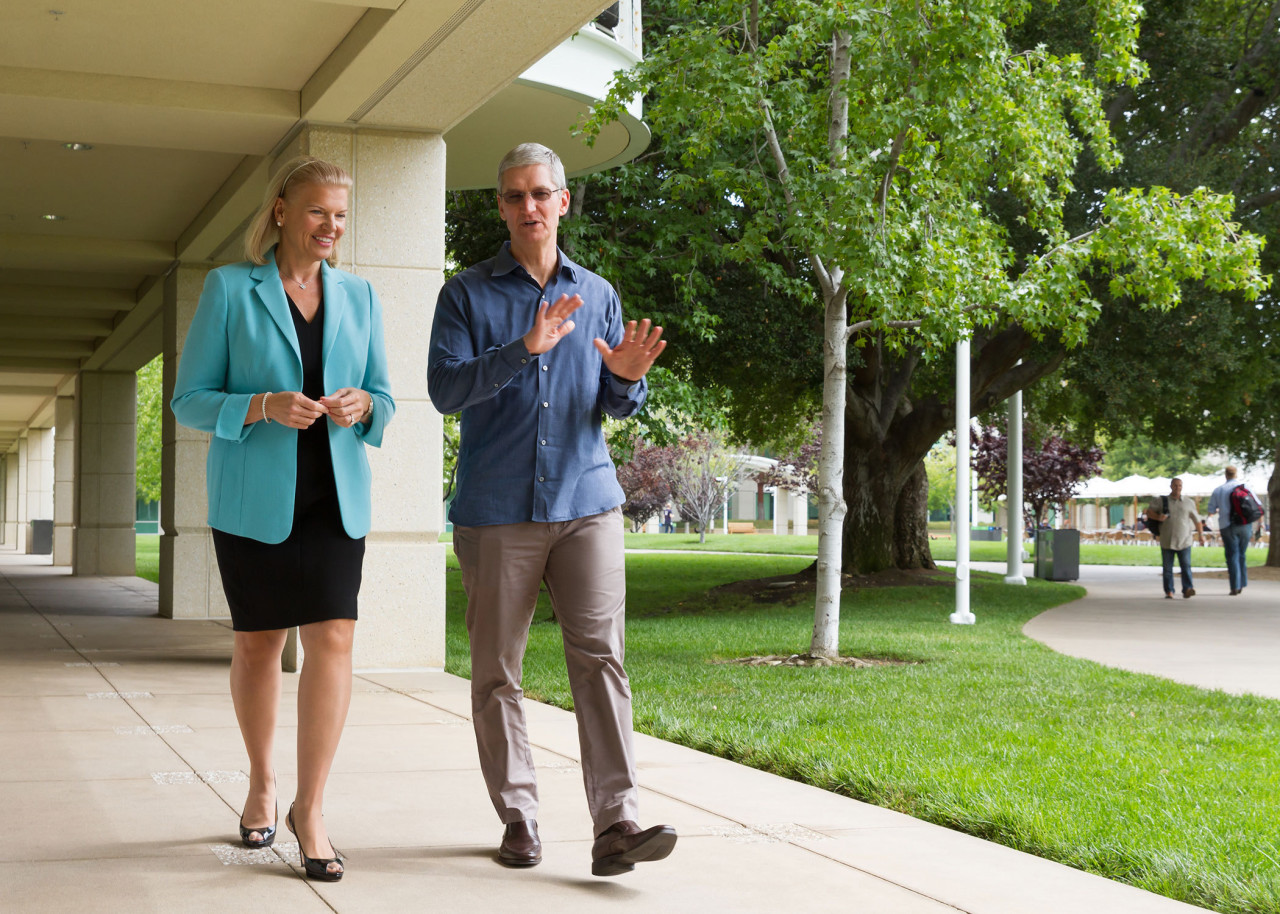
column 314, row 575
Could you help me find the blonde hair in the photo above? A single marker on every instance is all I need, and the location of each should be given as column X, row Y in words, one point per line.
column 263, row 231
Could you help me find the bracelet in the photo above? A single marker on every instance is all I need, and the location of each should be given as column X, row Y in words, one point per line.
column 264, row 407
column 368, row 416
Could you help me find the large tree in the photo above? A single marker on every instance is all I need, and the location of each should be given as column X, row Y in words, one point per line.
column 1206, row 376
column 922, row 192
column 149, row 412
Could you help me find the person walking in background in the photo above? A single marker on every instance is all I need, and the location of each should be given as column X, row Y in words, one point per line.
column 1178, row 521
column 284, row 365
column 1235, row 535
column 667, row 525
column 538, row 500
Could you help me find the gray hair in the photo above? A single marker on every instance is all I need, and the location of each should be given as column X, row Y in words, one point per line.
column 532, row 154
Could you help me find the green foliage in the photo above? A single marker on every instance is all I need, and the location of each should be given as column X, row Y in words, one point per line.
column 149, row 416
column 942, row 110
column 451, row 432
column 1202, row 376
column 940, row 465
column 1136, row 455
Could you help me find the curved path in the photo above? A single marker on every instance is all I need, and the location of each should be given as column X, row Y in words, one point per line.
column 1212, row 640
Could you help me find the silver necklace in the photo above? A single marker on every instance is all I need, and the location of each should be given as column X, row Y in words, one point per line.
column 300, row 285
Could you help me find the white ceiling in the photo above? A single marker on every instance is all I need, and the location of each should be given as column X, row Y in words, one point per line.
column 183, row 101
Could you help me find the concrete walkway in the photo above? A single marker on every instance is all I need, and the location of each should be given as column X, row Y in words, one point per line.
column 121, row 778
column 1211, row 640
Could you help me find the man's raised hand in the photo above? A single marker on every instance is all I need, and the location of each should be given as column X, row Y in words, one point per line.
column 550, row 325
column 635, row 355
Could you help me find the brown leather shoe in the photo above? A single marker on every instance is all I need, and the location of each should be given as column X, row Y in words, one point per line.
column 623, row 845
column 520, row 845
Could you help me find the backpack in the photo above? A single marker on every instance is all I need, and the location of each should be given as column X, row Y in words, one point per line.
column 1154, row 525
column 1244, row 507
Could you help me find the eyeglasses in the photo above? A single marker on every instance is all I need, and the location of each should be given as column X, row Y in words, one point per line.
column 516, row 197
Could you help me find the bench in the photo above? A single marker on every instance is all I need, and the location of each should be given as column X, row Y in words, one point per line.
column 742, row 527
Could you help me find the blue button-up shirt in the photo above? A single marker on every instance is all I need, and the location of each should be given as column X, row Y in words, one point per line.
column 532, row 447
column 1220, row 502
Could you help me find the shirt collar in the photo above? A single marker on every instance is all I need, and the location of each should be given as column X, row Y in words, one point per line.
column 504, row 263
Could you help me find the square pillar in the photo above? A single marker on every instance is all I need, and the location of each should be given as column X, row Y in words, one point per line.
column 190, row 587
column 39, row 478
column 21, row 530
column 105, row 486
column 9, row 503
column 396, row 241
column 64, row 468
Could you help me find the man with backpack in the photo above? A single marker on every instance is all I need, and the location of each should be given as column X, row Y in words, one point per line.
column 1237, row 509
column 1174, row 519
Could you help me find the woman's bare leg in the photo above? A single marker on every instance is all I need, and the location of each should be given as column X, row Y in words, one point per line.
column 255, row 692
column 324, row 695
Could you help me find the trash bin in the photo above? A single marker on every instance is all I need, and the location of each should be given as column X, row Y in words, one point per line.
column 41, row 541
column 987, row 534
column 1058, row 555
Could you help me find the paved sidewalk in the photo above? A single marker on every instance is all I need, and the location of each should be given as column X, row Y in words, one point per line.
column 121, row 780
column 1211, row 640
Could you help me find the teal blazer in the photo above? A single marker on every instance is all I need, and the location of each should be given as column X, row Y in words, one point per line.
column 242, row 342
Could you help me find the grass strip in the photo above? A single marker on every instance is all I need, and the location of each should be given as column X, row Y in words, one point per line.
column 1164, row 786
column 942, row 547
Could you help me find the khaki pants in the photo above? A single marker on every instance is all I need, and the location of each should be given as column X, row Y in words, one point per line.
column 582, row 563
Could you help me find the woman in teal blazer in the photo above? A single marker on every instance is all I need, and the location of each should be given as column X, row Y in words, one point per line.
column 284, row 365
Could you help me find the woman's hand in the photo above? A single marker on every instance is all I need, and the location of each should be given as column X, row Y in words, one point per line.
column 348, row 405
column 294, row 409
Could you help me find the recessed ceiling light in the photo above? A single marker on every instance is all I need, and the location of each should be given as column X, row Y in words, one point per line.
column 78, row 147
column 53, row 217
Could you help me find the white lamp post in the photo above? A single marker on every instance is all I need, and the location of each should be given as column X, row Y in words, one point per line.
column 962, row 615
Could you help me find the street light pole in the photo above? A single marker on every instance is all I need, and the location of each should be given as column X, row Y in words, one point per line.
column 1013, row 503
column 962, row 615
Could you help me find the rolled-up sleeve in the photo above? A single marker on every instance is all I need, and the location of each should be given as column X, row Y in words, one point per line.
column 457, row 375
column 200, row 399
column 619, row 399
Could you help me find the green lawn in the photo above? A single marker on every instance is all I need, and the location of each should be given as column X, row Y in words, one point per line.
column 148, row 556
column 943, row 549
column 1168, row 787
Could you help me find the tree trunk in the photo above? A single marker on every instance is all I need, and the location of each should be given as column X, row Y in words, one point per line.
column 1273, row 511
column 831, row 483
column 911, row 530
column 887, row 522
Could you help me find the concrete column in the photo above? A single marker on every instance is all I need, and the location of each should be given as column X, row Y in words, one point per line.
column 105, row 485
column 64, row 478
column 800, row 513
column 22, row 530
column 190, row 587
column 10, row 482
column 39, row 477
column 395, row 239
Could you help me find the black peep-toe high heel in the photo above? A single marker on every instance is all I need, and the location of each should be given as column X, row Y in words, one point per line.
column 268, row 833
column 316, row 868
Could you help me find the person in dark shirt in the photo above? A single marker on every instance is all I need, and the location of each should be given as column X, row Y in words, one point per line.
column 532, row 350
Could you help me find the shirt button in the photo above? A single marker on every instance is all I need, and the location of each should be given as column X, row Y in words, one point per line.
column 544, row 367
column 541, row 479
column 544, row 440
column 495, row 385
column 545, row 403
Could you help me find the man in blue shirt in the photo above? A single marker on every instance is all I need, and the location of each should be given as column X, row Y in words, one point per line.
column 1235, row 537
column 538, row 500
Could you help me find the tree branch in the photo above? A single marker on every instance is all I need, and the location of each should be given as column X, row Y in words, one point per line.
column 1253, row 204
